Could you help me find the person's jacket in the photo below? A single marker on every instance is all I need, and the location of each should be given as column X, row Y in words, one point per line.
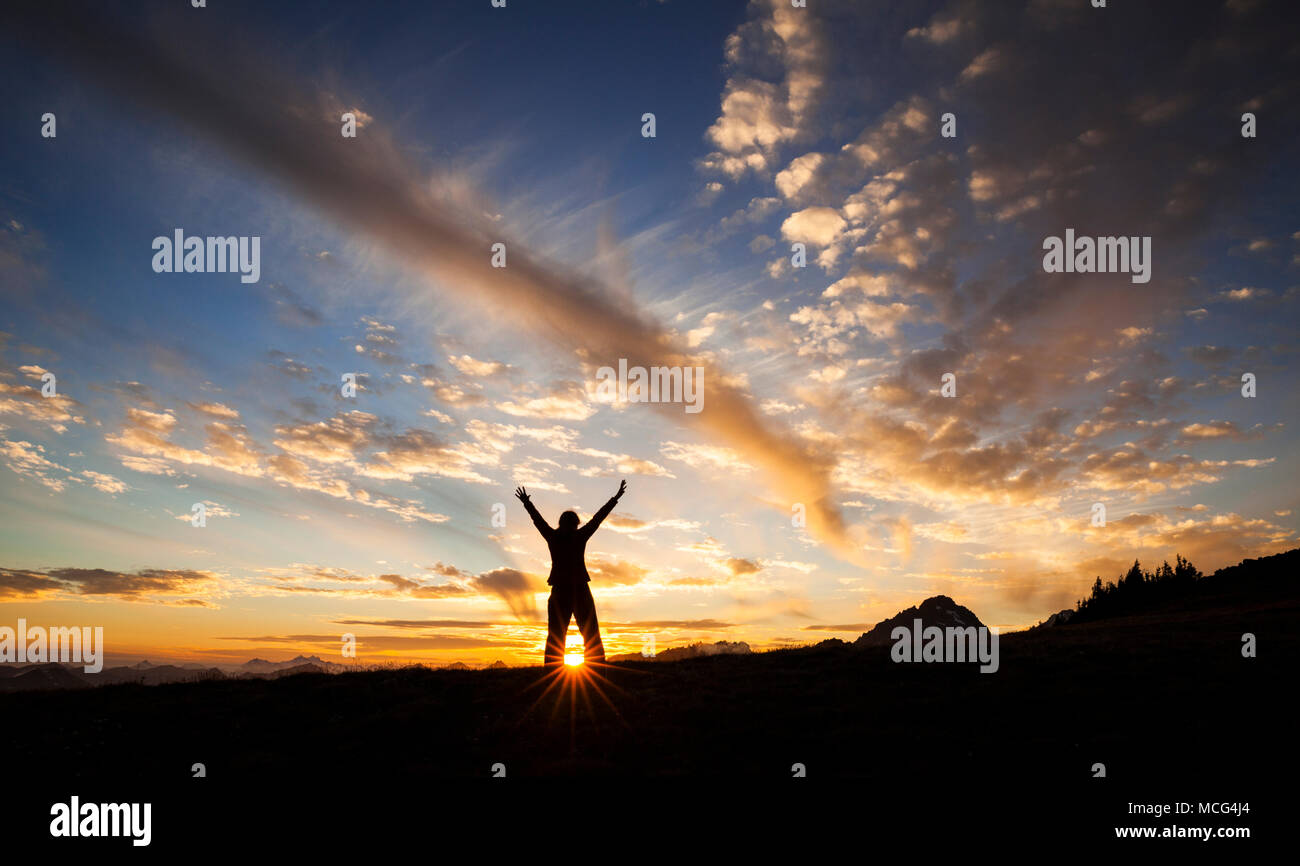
column 569, row 547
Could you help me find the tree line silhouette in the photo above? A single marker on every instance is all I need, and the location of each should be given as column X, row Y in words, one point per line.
column 1138, row 590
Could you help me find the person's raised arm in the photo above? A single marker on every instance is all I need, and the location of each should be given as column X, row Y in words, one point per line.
column 594, row 524
column 542, row 526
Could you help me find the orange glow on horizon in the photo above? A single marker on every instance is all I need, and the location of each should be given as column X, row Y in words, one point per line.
column 574, row 652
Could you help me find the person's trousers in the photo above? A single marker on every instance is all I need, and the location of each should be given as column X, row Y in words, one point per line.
column 573, row 600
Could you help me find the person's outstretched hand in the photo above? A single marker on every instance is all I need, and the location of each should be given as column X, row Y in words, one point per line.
column 522, row 494
column 622, row 488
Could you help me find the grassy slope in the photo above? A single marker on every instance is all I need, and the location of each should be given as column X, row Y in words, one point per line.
column 1141, row 694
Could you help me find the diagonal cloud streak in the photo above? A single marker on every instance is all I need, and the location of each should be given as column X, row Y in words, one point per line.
column 368, row 185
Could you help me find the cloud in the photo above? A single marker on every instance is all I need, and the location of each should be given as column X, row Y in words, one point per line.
column 104, row 482
column 628, row 525
column 335, row 440
column 699, row 456
column 985, row 62
column 389, row 642
column 1245, row 293
column 215, row 410
column 1212, row 355
column 1220, row 430
column 739, row 566
column 798, row 175
column 291, row 309
column 514, row 587
column 1035, row 358
column 211, row 509
column 679, row 624
column 367, row 184
column 168, row 586
column 758, row 116
column 474, row 367
column 941, row 29
column 758, row 209
column 819, row 226
column 311, row 452
column 419, row 452
column 1133, row 469
column 147, row 465
column 566, row 402
column 517, row 589
column 29, row 460
column 26, row 401
column 418, row 623
column 616, row 572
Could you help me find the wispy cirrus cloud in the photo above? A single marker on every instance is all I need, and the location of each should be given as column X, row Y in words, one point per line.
column 370, row 186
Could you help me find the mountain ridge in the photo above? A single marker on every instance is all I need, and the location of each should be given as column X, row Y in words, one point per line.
column 938, row 610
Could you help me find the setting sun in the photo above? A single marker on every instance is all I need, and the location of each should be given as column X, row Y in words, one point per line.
column 573, row 650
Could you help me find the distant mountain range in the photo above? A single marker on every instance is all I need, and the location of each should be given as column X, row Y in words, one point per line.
column 1258, row 578
column 54, row 675
column 692, row 651
column 262, row 666
column 41, row 677
column 146, row 665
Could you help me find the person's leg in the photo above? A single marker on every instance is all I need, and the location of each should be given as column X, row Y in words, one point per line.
column 559, row 609
column 584, row 608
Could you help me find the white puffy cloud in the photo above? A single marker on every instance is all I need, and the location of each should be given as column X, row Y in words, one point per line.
column 817, row 225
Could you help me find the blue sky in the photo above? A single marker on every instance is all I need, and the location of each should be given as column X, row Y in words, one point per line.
column 774, row 126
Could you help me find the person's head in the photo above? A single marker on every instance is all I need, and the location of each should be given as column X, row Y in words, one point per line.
column 569, row 521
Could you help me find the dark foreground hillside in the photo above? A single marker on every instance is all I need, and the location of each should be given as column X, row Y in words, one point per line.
column 1164, row 700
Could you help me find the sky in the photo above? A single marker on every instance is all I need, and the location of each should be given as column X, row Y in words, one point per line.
column 373, row 514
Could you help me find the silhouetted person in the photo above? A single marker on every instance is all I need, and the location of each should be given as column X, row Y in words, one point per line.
column 570, row 594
